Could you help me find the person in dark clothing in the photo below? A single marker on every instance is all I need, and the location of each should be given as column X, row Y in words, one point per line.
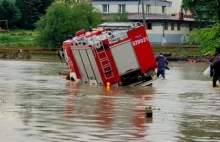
column 215, row 71
column 162, row 65
column 70, row 36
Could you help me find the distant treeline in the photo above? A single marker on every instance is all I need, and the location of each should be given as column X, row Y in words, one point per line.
column 23, row 13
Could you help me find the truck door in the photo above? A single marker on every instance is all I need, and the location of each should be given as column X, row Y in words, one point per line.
column 124, row 57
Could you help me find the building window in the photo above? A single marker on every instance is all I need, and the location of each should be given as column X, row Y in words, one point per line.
column 147, row 8
column 164, row 9
column 165, row 26
column 172, row 26
column 178, row 27
column 105, row 8
column 149, row 26
column 121, row 8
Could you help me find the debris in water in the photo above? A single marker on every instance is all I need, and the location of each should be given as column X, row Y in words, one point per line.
column 148, row 112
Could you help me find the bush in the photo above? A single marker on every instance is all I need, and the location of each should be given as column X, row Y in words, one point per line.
column 208, row 38
column 62, row 19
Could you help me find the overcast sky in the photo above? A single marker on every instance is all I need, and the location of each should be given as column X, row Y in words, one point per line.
column 175, row 6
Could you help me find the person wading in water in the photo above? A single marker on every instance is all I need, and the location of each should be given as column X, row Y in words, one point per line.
column 215, row 71
column 162, row 65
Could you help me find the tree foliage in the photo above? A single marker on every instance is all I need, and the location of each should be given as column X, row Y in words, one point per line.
column 66, row 1
column 205, row 10
column 62, row 19
column 207, row 15
column 70, row 1
column 8, row 11
column 119, row 17
column 188, row 4
column 45, row 5
column 208, row 38
column 31, row 11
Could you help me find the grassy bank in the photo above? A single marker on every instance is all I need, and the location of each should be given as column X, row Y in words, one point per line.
column 178, row 50
column 17, row 38
column 24, row 39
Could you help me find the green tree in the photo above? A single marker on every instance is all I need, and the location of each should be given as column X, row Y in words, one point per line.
column 8, row 11
column 206, row 11
column 3, row 12
column 62, row 19
column 123, row 17
column 71, row 1
column 111, row 18
column 119, row 17
column 188, row 4
column 66, row 1
column 208, row 38
column 31, row 11
column 45, row 4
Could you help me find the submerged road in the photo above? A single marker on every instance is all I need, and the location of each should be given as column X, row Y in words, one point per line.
column 37, row 105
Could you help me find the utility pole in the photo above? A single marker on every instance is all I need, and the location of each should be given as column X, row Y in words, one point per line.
column 143, row 13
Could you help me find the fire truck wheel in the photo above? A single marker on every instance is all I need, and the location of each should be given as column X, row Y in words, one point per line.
column 140, row 78
column 120, row 83
column 72, row 79
column 148, row 78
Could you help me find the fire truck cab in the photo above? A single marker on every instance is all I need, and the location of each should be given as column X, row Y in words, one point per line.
column 104, row 56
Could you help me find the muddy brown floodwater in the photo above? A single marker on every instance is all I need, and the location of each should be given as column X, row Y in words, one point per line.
column 37, row 105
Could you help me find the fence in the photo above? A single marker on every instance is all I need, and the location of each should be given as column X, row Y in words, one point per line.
column 27, row 52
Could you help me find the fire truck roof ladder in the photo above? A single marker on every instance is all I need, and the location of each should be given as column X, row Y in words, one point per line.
column 104, row 61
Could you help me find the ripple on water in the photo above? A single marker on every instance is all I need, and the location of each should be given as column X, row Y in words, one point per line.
column 38, row 105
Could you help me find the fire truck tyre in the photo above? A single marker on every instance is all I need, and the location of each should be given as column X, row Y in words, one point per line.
column 140, row 78
column 120, row 83
column 148, row 78
column 72, row 79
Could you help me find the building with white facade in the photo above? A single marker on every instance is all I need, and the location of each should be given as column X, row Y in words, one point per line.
column 161, row 26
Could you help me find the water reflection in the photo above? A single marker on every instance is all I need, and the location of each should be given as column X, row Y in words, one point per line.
column 71, row 100
column 105, row 106
column 139, row 114
column 105, row 113
column 38, row 105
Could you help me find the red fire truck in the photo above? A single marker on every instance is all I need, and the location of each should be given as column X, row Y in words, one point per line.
column 104, row 56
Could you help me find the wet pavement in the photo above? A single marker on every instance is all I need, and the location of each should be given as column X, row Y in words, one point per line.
column 38, row 105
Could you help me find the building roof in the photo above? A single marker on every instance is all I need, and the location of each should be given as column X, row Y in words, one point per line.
column 157, row 17
column 116, row 24
column 121, row 26
column 152, row 17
